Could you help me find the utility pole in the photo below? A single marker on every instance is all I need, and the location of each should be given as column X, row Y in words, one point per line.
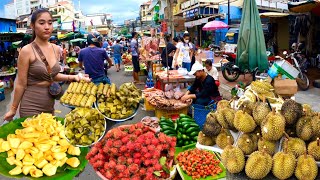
column 229, row 13
column 170, row 16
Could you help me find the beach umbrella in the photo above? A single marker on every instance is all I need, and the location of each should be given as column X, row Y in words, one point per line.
column 251, row 48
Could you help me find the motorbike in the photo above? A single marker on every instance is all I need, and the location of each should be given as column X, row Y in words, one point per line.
column 230, row 71
column 216, row 49
column 300, row 63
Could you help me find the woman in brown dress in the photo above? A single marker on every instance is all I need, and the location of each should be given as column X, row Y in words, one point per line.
column 31, row 91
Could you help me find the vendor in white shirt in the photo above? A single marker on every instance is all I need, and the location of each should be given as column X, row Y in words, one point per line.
column 212, row 71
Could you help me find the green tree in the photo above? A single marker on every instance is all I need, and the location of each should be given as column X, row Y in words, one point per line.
column 124, row 31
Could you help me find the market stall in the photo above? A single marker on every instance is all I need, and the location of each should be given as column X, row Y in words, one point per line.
column 173, row 76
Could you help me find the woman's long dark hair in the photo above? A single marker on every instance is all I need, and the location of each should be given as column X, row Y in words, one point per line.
column 35, row 15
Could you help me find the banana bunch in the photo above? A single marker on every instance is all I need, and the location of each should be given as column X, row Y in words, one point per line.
column 80, row 94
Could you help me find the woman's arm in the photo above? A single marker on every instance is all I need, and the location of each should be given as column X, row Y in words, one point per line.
column 21, row 81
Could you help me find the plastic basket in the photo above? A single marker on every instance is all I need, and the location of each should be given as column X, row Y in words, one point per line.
column 170, row 113
column 200, row 112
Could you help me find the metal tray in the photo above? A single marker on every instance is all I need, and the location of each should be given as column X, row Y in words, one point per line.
column 118, row 120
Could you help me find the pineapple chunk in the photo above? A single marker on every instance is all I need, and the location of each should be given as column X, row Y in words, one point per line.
column 55, row 138
column 53, row 143
column 14, row 142
column 49, row 169
column 64, row 142
column 62, row 135
column 56, row 149
column 63, row 161
column 18, row 163
column 32, row 135
column 14, row 150
column 1, row 140
column 48, row 157
column 29, row 130
column 40, row 163
column 73, row 162
column 15, row 171
column 5, row 146
column 25, row 145
column 27, row 169
column 43, row 147
column 10, row 153
column 20, row 154
column 36, row 173
column 28, row 160
column 11, row 160
column 37, row 155
column 11, row 136
column 59, row 155
column 74, row 150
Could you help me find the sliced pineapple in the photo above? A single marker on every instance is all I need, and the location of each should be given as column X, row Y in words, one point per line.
column 49, row 169
column 25, row 145
column 59, row 155
column 28, row 160
column 20, row 154
column 27, row 169
column 40, row 163
column 36, row 173
column 14, row 142
column 73, row 162
column 11, row 160
column 15, row 171
column 75, row 151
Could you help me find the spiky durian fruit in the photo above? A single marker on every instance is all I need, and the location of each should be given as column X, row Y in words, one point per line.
column 211, row 130
column 315, row 123
column 307, row 109
column 223, row 104
column 258, row 165
column 244, row 122
column 269, row 146
column 306, row 167
column 261, row 87
column 211, row 118
column 205, row 140
column 291, row 130
column 284, row 165
column 296, row 146
column 314, row 149
column 222, row 138
column 304, row 128
column 225, row 118
column 247, row 106
column 273, row 126
column 260, row 112
column 233, row 159
column 291, row 111
column 247, row 143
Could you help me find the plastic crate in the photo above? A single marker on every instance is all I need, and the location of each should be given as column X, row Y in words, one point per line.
column 287, row 69
column 170, row 113
column 200, row 112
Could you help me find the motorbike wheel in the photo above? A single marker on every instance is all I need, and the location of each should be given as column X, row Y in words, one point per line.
column 230, row 74
column 303, row 82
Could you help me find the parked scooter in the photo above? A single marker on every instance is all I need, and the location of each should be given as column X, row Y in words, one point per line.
column 301, row 65
column 230, row 71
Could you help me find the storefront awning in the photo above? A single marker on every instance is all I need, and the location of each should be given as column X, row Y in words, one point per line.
column 273, row 15
column 198, row 22
column 305, row 6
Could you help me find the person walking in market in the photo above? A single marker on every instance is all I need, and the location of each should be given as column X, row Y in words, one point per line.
column 117, row 52
column 184, row 52
column 135, row 58
column 168, row 52
column 92, row 58
column 38, row 65
column 204, row 88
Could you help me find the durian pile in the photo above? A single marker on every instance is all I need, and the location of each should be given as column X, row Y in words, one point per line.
column 259, row 90
column 80, row 94
column 284, row 142
column 118, row 103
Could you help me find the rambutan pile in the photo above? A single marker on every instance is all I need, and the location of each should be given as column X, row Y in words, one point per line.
column 133, row 152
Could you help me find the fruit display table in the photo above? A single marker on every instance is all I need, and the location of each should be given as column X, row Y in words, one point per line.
column 174, row 77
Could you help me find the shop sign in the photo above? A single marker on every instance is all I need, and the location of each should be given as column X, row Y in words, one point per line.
column 196, row 22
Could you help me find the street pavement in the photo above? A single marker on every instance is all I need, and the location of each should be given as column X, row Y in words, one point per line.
column 311, row 97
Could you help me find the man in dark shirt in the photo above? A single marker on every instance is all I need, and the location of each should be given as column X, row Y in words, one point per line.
column 204, row 88
column 91, row 59
column 171, row 50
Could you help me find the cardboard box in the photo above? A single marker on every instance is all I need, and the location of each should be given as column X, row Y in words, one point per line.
column 285, row 86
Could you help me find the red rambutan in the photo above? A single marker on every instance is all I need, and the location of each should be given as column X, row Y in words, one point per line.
column 117, row 143
column 108, row 175
column 137, row 161
column 133, row 168
column 145, row 129
column 113, row 151
column 127, row 155
column 138, row 132
column 122, row 160
column 123, row 149
column 137, row 155
column 151, row 147
column 130, row 146
column 144, row 150
column 112, row 163
column 142, row 171
column 125, row 139
column 133, row 137
column 139, row 125
column 100, row 156
column 156, row 154
column 147, row 155
column 157, row 167
column 109, row 143
column 135, row 177
column 155, row 141
column 147, row 162
column 129, row 161
column 132, row 129
column 120, row 167
column 126, row 173
column 147, row 141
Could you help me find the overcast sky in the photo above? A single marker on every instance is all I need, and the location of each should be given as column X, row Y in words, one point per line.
column 120, row 9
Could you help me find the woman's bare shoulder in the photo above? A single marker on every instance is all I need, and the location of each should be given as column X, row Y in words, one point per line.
column 26, row 50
